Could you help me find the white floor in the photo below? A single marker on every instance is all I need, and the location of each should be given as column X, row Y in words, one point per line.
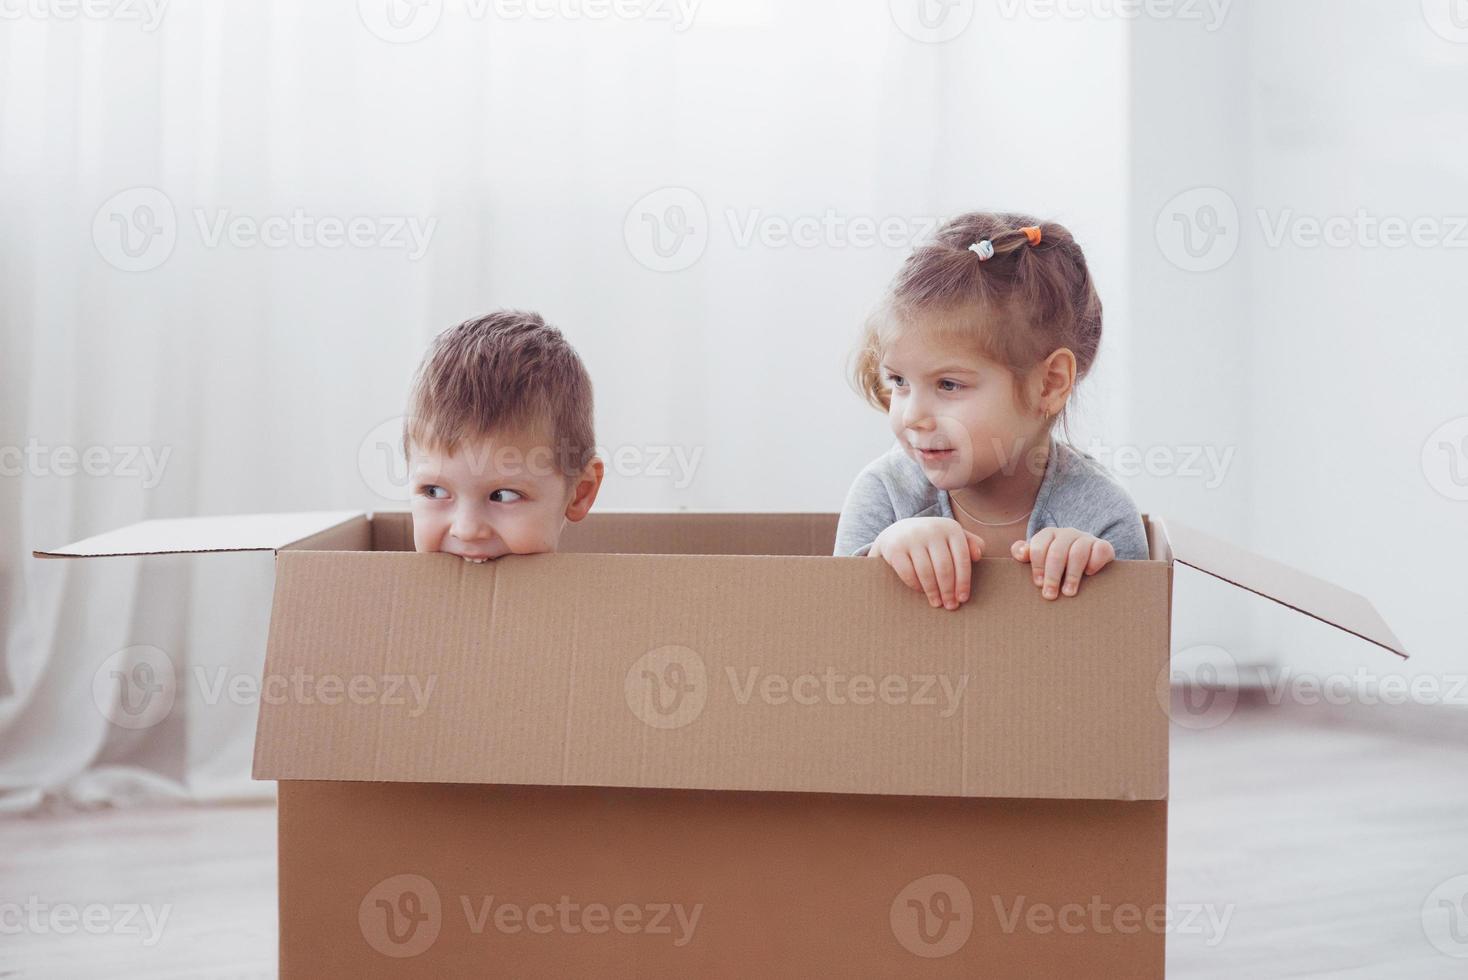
column 1322, row 835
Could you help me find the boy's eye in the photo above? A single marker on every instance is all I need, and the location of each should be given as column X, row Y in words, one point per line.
column 506, row 496
column 948, row 384
column 433, row 491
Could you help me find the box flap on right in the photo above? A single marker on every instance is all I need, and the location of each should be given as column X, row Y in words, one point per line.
column 1305, row 593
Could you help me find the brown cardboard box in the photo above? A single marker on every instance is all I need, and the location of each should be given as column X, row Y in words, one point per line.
column 695, row 745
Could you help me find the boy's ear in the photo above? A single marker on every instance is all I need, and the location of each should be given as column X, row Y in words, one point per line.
column 584, row 494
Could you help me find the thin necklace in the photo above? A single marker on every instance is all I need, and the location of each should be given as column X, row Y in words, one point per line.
column 954, row 501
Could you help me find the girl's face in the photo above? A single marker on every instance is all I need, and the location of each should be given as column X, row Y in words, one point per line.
column 956, row 412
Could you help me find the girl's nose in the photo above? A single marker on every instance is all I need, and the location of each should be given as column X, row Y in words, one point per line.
column 915, row 414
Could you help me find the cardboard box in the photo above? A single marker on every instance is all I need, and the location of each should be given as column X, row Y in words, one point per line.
column 695, row 745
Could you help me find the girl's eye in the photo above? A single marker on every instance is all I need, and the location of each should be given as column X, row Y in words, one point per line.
column 895, row 380
column 433, row 492
column 506, row 496
column 948, row 384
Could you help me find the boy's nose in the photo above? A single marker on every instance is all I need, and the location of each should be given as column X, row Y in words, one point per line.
column 471, row 527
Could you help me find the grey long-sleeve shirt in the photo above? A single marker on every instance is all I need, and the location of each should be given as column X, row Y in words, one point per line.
column 1076, row 491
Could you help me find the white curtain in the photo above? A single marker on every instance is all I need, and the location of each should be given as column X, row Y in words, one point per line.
column 179, row 302
column 228, row 230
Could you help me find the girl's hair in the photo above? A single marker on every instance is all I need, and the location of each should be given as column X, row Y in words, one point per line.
column 1018, row 306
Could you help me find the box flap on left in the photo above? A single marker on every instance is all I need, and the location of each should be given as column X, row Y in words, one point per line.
column 192, row 535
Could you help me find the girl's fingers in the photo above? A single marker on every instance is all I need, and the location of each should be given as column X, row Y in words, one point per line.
column 1102, row 554
column 1039, row 551
column 944, row 571
column 1075, row 564
column 975, row 545
column 963, row 564
column 902, row 565
column 924, row 566
column 1055, row 560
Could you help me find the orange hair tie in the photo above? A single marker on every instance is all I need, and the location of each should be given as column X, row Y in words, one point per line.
column 1033, row 233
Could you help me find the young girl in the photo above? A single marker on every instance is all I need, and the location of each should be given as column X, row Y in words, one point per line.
column 973, row 355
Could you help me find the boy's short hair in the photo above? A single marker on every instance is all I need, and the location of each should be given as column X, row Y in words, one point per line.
column 507, row 371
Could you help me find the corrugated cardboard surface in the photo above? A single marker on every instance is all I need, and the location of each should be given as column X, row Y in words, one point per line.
column 691, row 533
column 713, row 672
column 411, row 880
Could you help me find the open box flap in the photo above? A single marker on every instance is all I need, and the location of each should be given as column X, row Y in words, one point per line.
column 197, row 535
column 1290, row 587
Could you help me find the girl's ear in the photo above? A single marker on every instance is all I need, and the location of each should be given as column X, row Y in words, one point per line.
column 587, row 485
column 1055, row 378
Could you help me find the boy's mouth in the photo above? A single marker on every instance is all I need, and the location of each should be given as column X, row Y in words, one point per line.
column 935, row 455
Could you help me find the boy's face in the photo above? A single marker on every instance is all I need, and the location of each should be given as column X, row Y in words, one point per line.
column 504, row 495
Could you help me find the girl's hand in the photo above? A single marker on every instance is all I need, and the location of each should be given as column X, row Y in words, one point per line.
column 1061, row 556
column 932, row 555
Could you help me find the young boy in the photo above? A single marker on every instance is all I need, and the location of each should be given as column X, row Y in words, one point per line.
column 499, row 439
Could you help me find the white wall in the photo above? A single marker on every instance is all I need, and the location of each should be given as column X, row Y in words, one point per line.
column 1328, row 367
